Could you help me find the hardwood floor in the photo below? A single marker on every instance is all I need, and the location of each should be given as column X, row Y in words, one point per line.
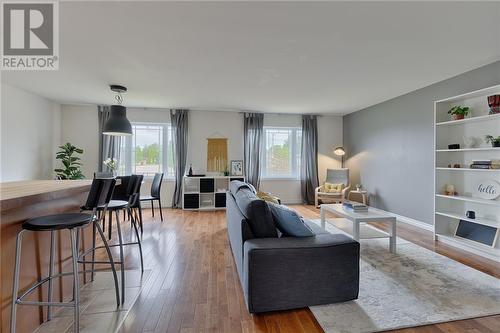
column 194, row 286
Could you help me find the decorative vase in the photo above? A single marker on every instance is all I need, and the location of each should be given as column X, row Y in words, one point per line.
column 495, row 144
column 457, row 116
column 494, row 104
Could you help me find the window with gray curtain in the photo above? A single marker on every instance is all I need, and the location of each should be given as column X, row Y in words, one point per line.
column 309, row 158
column 109, row 145
column 253, row 129
column 179, row 120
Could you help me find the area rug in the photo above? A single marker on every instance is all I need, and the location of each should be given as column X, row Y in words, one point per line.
column 413, row 287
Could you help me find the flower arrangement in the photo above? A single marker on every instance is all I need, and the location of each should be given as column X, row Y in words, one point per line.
column 111, row 164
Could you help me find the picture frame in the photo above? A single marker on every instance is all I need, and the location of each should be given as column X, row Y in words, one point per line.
column 236, row 168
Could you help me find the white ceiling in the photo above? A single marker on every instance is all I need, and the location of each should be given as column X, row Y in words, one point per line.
column 290, row 57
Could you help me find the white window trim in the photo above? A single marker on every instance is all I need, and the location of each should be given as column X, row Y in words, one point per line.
column 295, row 165
column 129, row 148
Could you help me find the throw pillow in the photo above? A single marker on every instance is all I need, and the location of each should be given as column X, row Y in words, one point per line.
column 260, row 220
column 268, row 197
column 289, row 222
column 333, row 188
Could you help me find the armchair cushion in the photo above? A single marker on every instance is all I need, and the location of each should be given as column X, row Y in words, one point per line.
column 333, row 188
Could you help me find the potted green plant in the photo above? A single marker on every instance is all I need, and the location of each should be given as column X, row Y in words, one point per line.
column 495, row 142
column 458, row 112
column 70, row 161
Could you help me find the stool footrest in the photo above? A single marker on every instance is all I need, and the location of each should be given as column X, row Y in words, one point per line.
column 64, row 304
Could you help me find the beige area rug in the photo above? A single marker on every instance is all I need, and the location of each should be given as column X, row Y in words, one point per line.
column 98, row 311
column 411, row 288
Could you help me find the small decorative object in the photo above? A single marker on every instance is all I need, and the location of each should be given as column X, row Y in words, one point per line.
column 70, row 161
column 495, row 142
column 454, row 146
column 111, row 164
column 226, row 172
column 471, row 214
column 458, row 112
column 488, row 189
column 449, row 165
column 456, row 166
column 216, row 154
column 449, row 189
column 470, row 141
column 190, row 172
column 494, row 104
column 358, row 187
column 237, row 168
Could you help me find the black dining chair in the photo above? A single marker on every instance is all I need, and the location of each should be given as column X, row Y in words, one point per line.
column 135, row 199
column 155, row 193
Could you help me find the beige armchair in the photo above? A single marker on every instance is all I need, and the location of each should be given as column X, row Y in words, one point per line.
column 333, row 176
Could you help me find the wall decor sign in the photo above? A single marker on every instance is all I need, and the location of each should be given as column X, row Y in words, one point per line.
column 237, row 168
column 488, row 189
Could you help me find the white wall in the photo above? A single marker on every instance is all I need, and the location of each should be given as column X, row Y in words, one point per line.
column 30, row 134
column 80, row 123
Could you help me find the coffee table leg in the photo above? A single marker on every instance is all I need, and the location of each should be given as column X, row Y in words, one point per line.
column 392, row 240
column 355, row 230
column 322, row 216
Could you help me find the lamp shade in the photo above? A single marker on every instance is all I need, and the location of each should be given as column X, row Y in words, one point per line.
column 339, row 151
column 117, row 123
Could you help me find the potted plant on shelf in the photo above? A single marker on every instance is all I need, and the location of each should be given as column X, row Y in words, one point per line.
column 70, row 161
column 458, row 112
column 495, row 142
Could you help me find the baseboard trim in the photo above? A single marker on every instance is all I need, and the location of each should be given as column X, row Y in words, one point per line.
column 413, row 222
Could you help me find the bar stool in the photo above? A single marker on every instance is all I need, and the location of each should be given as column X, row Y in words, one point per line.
column 99, row 196
column 115, row 206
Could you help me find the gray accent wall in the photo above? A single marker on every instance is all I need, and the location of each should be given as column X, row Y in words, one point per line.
column 390, row 145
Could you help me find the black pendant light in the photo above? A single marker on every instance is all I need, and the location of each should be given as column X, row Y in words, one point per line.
column 117, row 123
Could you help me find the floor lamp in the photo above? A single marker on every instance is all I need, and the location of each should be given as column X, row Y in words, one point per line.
column 339, row 151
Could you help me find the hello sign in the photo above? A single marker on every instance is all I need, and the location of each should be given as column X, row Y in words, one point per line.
column 488, row 189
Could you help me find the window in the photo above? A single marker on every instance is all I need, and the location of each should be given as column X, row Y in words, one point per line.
column 282, row 152
column 148, row 150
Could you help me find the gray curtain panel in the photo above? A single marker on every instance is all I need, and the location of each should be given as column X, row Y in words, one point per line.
column 309, row 158
column 109, row 146
column 179, row 120
column 253, row 131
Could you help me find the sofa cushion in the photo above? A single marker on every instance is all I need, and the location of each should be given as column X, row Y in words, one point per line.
column 257, row 212
column 289, row 222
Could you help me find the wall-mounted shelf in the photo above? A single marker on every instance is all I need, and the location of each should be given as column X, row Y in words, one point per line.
column 468, row 149
column 470, row 199
column 477, row 220
column 467, row 169
column 487, row 117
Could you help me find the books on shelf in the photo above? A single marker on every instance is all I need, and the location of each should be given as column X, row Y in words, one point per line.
column 355, row 206
column 485, row 164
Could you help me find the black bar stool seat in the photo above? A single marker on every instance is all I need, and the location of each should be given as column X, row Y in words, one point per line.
column 117, row 204
column 57, row 222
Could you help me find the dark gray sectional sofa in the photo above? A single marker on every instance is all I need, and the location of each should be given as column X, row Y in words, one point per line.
column 280, row 273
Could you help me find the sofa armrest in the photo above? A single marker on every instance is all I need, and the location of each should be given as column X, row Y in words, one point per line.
column 319, row 189
column 287, row 273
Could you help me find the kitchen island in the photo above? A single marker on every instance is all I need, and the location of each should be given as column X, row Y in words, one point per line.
column 22, row 200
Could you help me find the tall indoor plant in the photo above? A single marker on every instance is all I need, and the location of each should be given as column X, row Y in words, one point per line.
column 68, row 154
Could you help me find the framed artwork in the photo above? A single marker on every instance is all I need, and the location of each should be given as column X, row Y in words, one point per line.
column 236, row 168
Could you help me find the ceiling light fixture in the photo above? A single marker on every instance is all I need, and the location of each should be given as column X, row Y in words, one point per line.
column 117, row 123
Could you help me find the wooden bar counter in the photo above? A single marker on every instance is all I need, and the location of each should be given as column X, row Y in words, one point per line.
column 22, row 200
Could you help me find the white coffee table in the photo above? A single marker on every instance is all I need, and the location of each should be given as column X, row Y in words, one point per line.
column 359, row 219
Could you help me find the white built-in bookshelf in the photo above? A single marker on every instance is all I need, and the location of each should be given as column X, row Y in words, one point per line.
column 449, row 210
